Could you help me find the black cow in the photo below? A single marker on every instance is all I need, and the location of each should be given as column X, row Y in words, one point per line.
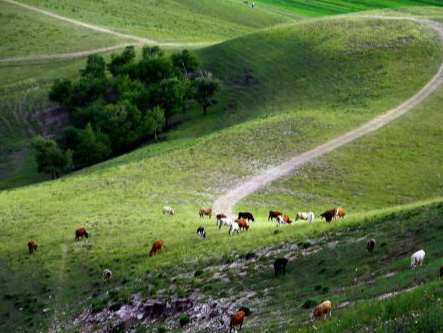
column 246, row 215
column 280, row 266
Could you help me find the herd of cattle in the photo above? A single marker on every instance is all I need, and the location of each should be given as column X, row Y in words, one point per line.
column 242, row 223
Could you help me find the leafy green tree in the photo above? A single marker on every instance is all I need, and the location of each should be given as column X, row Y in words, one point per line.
column 93, row 147
column 168, row 95
column 60, row 91
column 69, row 138
column 152, row 70
column 204, row 92
column 152, row 51
column 185, row 62
column 50, row 158
column 95, row 67
column 154, row 121
column 118, row 62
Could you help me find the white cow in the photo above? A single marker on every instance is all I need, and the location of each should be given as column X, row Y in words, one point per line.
column 168, row 210
column 107, row 275
column 301, row 216
column 311, row 217
column 224, row 221
column 280, row 220
column 417, row 258
column 233, row 228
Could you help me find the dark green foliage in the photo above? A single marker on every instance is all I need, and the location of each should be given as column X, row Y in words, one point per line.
column 152, row 51
column 93, row 147
column 50, row 158
column 204, row 92
column 119, row 61
column 184, row 320
column 112, row 114
column 95, row 67
column 308, row 304
column 185, row 62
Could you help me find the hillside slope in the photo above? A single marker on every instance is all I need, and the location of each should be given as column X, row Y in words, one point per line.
column 170, row 20
column 356, row 69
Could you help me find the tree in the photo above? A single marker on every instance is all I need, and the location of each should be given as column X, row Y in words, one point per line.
column 152, row 70
column 154, row 121
column 204, row 91
column 95, row 67
column 60, row 91
column 50, row 158
column 152, row 51
column 69, row 138
column 169, row 96
column 93, row 147
column 119, row 61
column 185, row 62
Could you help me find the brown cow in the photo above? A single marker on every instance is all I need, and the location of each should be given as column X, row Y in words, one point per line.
column 32, row 247
column 205, row 212
column 242, row 224
column 81, row 232
column 220, row 216
column 286, row 219
column 323, row 309
column 328, row 215
column 273, row 214
column 370, row 245
column 237, row 319
column 441, row 271
column 338, row 211
column 156, row 246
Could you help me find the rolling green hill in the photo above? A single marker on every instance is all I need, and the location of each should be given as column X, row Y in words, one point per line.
column 288, row 87
column 333, row 7
column 170, row 20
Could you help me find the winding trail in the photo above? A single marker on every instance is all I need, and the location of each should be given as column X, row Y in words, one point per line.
column 137, row 39
column 226, row 202
column 71, row 55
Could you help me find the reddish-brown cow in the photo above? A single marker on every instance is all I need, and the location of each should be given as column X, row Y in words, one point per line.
column 205, row 212
column 32, row 247
column 237, row 319
column 156, row 246
column 81, row 232
column 273, row 214
column 242, row 224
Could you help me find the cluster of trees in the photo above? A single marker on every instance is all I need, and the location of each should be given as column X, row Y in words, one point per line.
column 115, row 106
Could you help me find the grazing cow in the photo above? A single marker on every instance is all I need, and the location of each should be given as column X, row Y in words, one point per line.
column 81, row 232
column 107, row 275
column 234, row 227
column 223, row 221
column 205, row 212
column 328, row 215
column 237, row 319
column 441, row 271
column 283, row 219
column 311, row 217
column 246, row 215
column 201, row 232
column 32, row 247
column 370, row 245
column 220, row 216
column 273, row 214
column 246, row 2
column 280, row 266
column 156, row 246
column 323, row 309
column 338, row 211
column 242, row 224
column 301, row 216
column 417, row 258
column 168, row 211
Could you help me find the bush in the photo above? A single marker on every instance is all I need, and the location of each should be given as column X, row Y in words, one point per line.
column 184, row 320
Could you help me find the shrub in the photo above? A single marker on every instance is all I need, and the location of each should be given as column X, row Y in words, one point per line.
column 184, row 320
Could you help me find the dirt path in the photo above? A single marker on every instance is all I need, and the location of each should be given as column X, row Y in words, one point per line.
column 63, row 55
column 137, row 39
column 226, row 202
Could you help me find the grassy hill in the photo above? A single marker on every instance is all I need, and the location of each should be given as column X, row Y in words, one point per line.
column 328, row 7
column 195, row 20
column 289, row 86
